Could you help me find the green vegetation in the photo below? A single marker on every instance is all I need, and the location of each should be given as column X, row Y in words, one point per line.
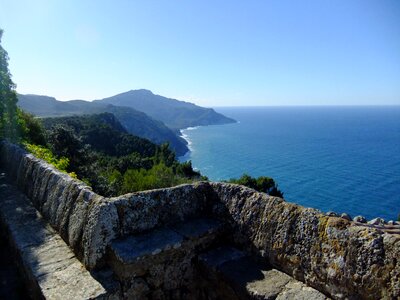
column 9, row 125
column 135, row 122
column 112, row 161
column 41, row 152
column 261, row 184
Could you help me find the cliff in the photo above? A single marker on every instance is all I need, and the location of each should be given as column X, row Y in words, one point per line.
column 340, row 258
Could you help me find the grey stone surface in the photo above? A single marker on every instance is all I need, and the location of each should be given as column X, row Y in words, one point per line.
column 345, row 216
column 377, row 221
column 48, row 260
column 360, row 219
column 101, row 227
column 232, row 269
column 338, row 257
column 133, row 248
column 299, row 291
column 146, row 210
column 196, row 228
column 332, row 214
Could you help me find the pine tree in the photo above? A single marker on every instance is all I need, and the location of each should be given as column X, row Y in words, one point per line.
column 8, row 99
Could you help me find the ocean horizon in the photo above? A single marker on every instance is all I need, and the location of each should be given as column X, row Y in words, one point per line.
column 333, row 158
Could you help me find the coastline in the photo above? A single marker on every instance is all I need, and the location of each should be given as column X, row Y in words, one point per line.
column 183, row 135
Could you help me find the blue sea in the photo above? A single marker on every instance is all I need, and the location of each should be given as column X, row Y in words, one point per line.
column 342, row 159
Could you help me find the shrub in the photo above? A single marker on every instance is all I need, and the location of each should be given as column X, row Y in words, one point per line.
column 48, row 156
column 262, row 184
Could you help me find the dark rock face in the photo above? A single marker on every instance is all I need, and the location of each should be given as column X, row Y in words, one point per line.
column 339, row 257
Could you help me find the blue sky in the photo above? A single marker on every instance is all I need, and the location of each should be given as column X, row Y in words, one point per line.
column 213, row 53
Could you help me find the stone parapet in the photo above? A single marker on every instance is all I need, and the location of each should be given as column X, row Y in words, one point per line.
column 339, row 257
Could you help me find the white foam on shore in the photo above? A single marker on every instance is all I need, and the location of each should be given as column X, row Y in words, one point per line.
column 186, row 137
column 189, row 143
column 191, row 128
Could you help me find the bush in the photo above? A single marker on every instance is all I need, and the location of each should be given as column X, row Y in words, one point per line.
column 48, row 156
column 159, row 176
column 262, row 184
column 31, row 128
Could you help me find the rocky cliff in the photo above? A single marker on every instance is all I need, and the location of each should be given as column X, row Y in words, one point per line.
column 340, row 258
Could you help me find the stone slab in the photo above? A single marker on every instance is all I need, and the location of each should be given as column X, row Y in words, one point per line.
column 46, row 258
column 253, row 280
column 133, row 248
column 197, row 228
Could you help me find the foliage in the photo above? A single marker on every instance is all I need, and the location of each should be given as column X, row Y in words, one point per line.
column 103, row 154
column 31, row 129
column 158, row 176
column 135, row 122
column 104, row 133
column 261, row 184
column 48, row 156
column 8, row 99
column 15, row 124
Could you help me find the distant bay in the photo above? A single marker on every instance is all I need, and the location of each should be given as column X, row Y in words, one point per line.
column 344, row 159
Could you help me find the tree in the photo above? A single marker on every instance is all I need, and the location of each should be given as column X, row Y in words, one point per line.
column 31, row 128
column 8, row 99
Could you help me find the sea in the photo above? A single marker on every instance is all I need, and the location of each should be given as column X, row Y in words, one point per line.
column 341, row 159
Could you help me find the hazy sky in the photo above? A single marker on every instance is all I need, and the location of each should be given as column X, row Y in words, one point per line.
column 213, row 53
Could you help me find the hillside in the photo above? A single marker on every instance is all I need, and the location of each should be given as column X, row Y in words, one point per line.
column 174, row 113
column 101, row 152
column 135, row 122
column 104, row 133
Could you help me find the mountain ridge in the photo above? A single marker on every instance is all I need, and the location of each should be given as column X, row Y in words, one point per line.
column 141, row 112
column 135, row 122
column 176, row 114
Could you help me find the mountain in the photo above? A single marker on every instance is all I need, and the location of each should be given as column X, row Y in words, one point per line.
column 135, row 122
column 174, row 113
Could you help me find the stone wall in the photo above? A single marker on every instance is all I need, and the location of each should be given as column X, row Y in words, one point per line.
column 89, row 222
column 341, row 258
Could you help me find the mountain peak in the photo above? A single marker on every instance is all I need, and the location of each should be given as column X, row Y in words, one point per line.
column 141, row 91
column 174, row 113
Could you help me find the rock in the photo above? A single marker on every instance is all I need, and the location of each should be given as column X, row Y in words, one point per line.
column 377, row 221
column 283, row 233
column 360, row 219
column 345, row 216
column 100, row 229
column 138, row 290
column 332, row 214
column 299, row 291
column 393, row 223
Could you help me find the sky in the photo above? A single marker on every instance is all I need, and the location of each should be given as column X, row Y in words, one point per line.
column 212, row 53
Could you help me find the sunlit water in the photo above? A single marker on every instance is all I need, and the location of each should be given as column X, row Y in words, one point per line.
column 345, row 159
